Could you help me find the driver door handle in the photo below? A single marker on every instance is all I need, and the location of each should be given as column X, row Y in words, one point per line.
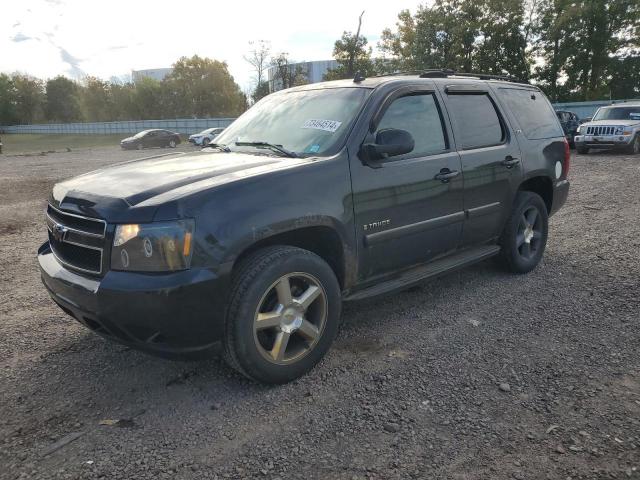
column 510, row 161
column 445, row 175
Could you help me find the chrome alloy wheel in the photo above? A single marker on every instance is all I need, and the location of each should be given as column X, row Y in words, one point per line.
column 529, row 232
column 290, row 318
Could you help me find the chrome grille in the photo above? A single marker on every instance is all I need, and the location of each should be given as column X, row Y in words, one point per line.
column 600, row 130
column 75, row 240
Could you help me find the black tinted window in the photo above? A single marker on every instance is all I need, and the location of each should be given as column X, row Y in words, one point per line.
column 533, row 113
column 418, row 115
column 477, row 121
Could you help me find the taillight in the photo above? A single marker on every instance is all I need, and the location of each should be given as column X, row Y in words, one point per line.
column 567, row 159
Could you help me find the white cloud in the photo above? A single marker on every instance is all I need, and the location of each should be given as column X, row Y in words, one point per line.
column 109, row 38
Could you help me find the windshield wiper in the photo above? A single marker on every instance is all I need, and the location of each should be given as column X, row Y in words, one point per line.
column 219, row 146
column 275, row 148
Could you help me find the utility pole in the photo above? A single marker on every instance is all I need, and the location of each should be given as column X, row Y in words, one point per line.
column 352, row 54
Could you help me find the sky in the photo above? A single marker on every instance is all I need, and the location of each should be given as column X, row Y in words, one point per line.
column 109, row 38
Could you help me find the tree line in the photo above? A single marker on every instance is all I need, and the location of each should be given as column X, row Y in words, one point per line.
column 197, row 87
column 573, row 49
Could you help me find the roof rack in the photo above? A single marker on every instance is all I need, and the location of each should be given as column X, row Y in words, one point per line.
column 482, row 76
column 446, row 73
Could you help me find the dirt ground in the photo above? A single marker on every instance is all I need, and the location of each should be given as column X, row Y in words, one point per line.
column 478, row 375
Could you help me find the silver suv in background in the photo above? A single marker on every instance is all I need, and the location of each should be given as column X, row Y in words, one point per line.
column 615, row 126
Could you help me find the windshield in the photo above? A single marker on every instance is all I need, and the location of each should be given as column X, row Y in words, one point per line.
column 618, row 113
column 307, row 122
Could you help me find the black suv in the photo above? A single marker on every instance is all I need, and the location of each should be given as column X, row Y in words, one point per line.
column 318, row 194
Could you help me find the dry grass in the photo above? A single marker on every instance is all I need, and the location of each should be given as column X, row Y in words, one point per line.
column 15, row 144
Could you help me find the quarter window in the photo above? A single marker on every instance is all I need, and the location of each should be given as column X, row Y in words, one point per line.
column 533, row 113
column 477, row 121
column 419, row 115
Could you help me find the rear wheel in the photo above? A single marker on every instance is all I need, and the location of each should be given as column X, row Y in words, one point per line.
column 582, row 150
column 525, row 234
column 283, row 314
column 172, row 143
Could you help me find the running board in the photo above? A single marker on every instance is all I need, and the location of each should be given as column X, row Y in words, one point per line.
column 418, row 274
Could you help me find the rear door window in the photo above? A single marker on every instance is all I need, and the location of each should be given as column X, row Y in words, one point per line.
column 533, row 113
column 477, row 121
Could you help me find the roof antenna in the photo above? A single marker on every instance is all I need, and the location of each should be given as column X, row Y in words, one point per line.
column 359, row 77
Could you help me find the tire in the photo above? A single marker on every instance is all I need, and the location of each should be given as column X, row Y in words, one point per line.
column 635, row 146
column 524, row 237
column 172, row 143
column 259, row 290
column 205, row 142
column 139, row 146
column 582, row 150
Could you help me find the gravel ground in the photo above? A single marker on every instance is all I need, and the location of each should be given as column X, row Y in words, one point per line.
column 480, row 374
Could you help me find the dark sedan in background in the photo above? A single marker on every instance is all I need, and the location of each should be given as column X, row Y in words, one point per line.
column 150, row 139
column 570, row 123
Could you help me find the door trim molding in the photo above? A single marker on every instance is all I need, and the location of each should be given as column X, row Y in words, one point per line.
column 379, row 237
column 483, row 210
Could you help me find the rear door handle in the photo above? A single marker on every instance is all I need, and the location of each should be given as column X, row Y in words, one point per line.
column 445, row 175
column 510, row 161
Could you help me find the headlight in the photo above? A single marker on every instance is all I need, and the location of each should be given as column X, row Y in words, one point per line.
column 153, row 247
column 578, row 129
column 619, row 130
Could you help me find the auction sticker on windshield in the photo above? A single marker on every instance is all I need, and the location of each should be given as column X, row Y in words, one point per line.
column 326, row 125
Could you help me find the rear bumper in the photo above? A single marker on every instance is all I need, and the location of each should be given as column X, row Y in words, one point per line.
column 175, row 313
column 603, row 141
column 560, row 194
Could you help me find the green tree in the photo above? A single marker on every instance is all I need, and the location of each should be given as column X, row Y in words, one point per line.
column 62, row 104
column 439, row 36
column 7, row 100
column 554, row 45
column 29, row 98
column 353, row 55
column 148, row 100
column 95, row 99
column 502, row 46
column 202, row 87
column 604, row 30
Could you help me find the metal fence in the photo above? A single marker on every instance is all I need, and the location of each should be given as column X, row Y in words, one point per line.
column 188, row 126
column 185, row 126
column 585, row 109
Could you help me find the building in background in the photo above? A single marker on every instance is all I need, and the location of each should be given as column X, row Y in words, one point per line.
column 155, row 73
column 312, row 72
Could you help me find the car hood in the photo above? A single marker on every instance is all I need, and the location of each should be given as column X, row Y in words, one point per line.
column 613, row 123
column 128, row 139
column 145, row 184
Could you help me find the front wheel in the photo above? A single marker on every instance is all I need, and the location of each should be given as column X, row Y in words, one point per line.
column 205, row 142
column 283, row 314
column 635, row 145
column 172, row 143
column 524, row 237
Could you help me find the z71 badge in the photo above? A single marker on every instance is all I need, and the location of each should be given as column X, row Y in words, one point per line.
column 378, row 224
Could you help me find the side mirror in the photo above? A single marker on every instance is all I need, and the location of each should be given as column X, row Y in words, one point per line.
column 390, row 142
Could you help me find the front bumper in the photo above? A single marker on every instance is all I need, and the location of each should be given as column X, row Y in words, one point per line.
column 173, row 313
column 603, row 141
